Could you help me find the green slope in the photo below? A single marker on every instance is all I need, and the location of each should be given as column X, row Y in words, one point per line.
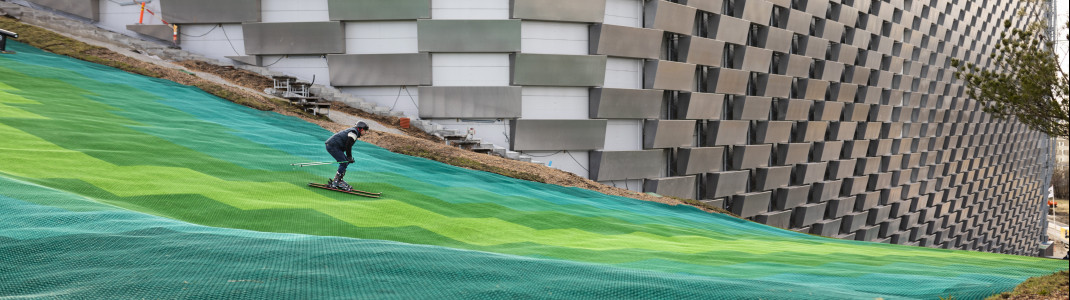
column 75, row 136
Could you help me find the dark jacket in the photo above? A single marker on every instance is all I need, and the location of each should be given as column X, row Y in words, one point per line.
column 341, row 140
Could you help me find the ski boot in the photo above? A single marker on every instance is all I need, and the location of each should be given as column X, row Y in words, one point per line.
column 338, row 183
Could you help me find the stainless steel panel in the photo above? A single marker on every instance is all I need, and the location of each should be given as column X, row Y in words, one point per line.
column 468, row 35
column 379, row 69
column 812, row 89
column 793, row 110
column 680, row 187
column 776, row 39
column 722, row 133
column 668, row 133
column 713, row 6
column 669, row 75
column 690, row 161
column 757, row 11
column 732, row 30
column 750, row 156
column 728, row 81
column 623, row 41
column 161, row 32
column 365, row 10
column 772, row 85
column 534, row 135
column 89, row 9
column 795, row 65
column 621, row 165
column 769, row 132
column 584, row 11
column 702, row 51
column 750, row 107
column 625, row 103
column 558, row 70
column 700, row 106
column 668, row 16
column 470, row 102
column 210, row 11
column 749, row 205
column 294, row 38
column 753, row 59
column 721, row 184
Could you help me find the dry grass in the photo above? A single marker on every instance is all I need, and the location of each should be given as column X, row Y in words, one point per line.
column 1054, row 286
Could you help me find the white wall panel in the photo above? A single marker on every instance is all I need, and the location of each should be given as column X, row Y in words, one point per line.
column 577, row 163
column 115, row 17
column 381, row 37
column 624, row 135
column 301, row 66
column 293, row 11
column 405, row 100
column 554, row 37
column 470, row 9
column 469, row 69
column 624, row 73
column 214, row 42
column 624, row 13
column 554, row 102
column 490, row 131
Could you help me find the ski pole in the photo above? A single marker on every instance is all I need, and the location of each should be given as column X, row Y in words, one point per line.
column 318, row 163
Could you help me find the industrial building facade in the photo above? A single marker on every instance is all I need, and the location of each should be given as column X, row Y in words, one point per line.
column 837, row 118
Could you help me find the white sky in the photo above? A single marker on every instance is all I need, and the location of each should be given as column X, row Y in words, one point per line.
column 1062, row 8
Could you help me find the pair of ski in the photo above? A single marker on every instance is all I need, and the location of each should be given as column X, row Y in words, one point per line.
column 324, row 186
column 354, row 192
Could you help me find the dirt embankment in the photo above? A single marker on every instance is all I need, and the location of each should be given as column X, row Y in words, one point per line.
column 418, row 143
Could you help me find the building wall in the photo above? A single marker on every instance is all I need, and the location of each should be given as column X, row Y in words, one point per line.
column 835, row 118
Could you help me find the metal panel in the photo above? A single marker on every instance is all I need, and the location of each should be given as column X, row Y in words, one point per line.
column 468, row 35
column 690, row 161
column 162, row 32
column 753, row 59
column 625, row 103
column 621, row 165
column 728, row 81
column 680, row 187
column 585, row 11
column 379, row 69
column 364, row 10
column 757, row 11
column 750, row 107
column 668, row 133
column 533, row 135
column 469, row 102
column 89, row 9
column 558, row 70
column 623, row 41
column 713, row 6
column 700, row 106
column 294, row 38
column 668, row 16
column 722, row 133
column 669, row 75
column 722, row 184
column 731, row 30
column 210, row 11
column 702, row 51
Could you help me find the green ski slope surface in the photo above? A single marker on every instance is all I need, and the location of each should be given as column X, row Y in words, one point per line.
column 114, row 185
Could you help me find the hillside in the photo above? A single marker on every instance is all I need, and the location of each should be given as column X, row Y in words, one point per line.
column 119, row 185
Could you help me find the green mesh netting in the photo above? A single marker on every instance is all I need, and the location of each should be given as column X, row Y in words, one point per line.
column 117, row 185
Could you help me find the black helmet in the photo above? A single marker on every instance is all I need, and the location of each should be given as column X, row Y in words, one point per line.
column 362, row 126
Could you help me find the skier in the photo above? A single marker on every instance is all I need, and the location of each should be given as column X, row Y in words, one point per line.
column 340, row 146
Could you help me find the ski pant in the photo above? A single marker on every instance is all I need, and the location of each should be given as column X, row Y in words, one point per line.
column 339, row 155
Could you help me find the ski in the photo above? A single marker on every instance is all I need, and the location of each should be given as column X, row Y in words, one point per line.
column 354, row 192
